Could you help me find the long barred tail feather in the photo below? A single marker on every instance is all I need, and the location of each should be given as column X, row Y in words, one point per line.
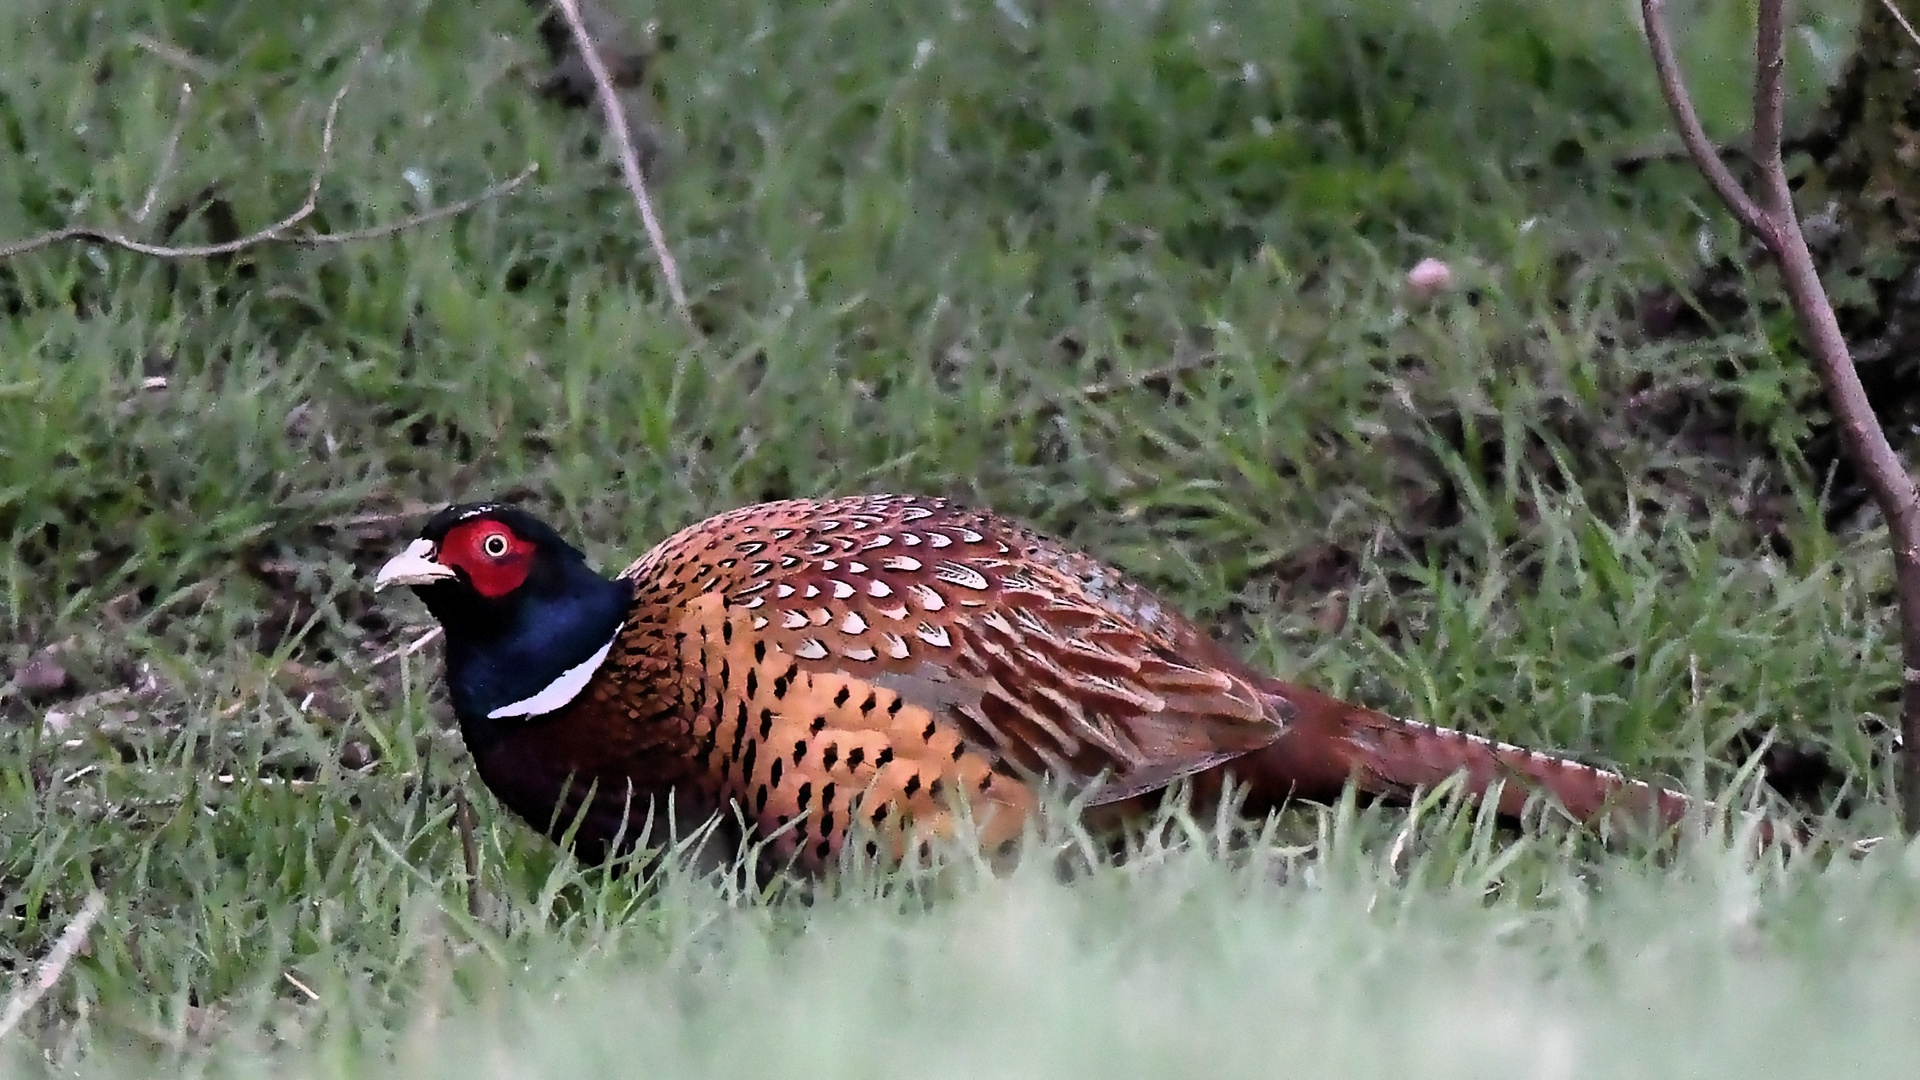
column 1330, row 742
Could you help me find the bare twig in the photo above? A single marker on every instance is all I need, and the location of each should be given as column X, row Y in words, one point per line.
column 1674, row 89
column 1772, row 218
column 622, row 133
column 463, row 820
column 424, row 217
column 305, row 210
column 55, row 965
column 406, row 514
column 1769, row 94
column 279, row 231
column 1894, row 10
column 176, row 56
column 305, row 991
column 409, row 648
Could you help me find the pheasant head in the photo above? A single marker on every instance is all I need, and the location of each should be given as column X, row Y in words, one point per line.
column 527, row 621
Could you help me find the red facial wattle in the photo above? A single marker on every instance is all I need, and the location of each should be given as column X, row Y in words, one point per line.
column 494, row 559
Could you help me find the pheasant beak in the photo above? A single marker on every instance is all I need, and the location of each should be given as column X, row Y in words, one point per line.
column 414, row 566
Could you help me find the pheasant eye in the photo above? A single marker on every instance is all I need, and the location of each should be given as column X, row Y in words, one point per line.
column 495, row 545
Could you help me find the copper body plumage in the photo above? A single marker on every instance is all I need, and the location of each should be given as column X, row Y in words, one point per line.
column 870, row 667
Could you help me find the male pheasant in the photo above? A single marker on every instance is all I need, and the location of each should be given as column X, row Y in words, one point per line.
column 875, row 666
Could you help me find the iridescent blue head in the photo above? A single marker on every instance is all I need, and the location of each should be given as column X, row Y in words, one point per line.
column 527, row 621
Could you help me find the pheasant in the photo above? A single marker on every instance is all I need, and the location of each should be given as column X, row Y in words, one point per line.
column 879, row 668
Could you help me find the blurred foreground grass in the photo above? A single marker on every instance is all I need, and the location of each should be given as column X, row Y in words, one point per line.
column 1339, row 954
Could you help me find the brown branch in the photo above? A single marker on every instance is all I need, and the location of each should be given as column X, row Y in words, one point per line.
column 175, row 56
column 1894, row 10
column 1775, row 222
column 306, row 991
column 386, row 520
column 425, row 217
column 408, row 649
column 622, row 133
column 305, row 210
column 278, row 232
column 1769, row 94
column 47, row 975
column 1674, row 88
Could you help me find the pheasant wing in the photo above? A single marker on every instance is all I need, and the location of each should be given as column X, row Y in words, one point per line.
column 1044, row 658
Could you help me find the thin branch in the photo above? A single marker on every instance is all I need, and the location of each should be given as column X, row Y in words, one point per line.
column 1769, row 94
column 167, row 149
column 408, row 649
column 1894, row 10
column 47, row 975
column 306, row 991
column 305, row 210
column 622, row 133
column 1705, row 157
column 407, row 514
column 275, row 233
column 278, row 231
column 425, row 217
column 176, row 56
column 1778, row 227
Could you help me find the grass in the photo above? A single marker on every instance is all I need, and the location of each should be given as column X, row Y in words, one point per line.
column 915, row 238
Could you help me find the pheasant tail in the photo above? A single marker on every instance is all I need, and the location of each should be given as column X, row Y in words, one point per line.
column 1331, row 742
